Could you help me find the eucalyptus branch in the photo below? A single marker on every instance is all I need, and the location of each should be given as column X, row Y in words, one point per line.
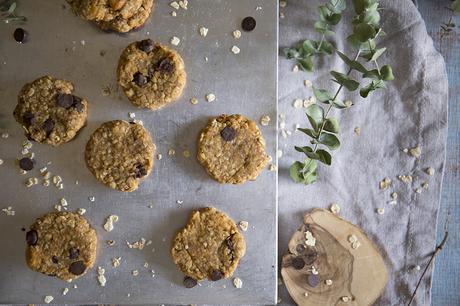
column 7, row 11
column 324, row 129
column 330, row 15
column 455, row 6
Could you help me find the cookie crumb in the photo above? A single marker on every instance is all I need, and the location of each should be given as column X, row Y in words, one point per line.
column 328, row 282
column 272, row 167
column 171, row 152
column 116, row 262
column 5, row 135
column 357, row 130
column 110, row 242
column 91, row 199
column 425, row 185
column 355, row 245
column 159, row 156
column 418, row 190
column 305, row 294
column 237, row 282
column 139, row 245
column 175, row 41
column 9, row 211
column 236, row 34
column 385, row 183
column 298, row 103
column 307, row 83
column 108, row 226
column 174, row 5
column 335, row 208
column 283, row 3
column 405, row 178
column 194, row 101
column 131, row 115
column 430, row 171
column 204, row 31
column 345, row 299
column 235, row 50
column 415, row 152
column 394, row 195
column 381, row 210
column 186, row 153
column 309, row 102
column 135, row 272
column 352, row 238
column 1, row 161
column 295, row 68
column 65, row 291
column 309, row 239
column 243, row 225
column 48, row 299
column 101, row 277
column 265, row 120
column 210, row 97
column 81, row 211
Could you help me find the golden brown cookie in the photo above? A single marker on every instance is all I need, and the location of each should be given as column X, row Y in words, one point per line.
column 120, row 154
column 232, row 149
column 151, row 75
column 118, row 15
column 209, row 246
column 61, row 244
column 49, row 112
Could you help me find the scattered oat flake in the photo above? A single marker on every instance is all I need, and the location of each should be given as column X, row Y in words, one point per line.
column 116, row 261
column 135, row 272
column 5, row 135
column 265, row 120
column 283, row 3
column 314, row 271
column 132, row 115
column 425, row 185
column 307, row 83
column 430, row 171
column 305, row 294
column 298, row 103
column 108, row 226
column 171, row 152
column 100, row 276
column 328, row 282
column 81, row 211
column 415, row 152
column 204, row 31
column 175, row 41
column 405, row 178
column 91, row 199
column 418, row 190
column 210, row 97
column 352, row 238
column 381, row 210
column 183, row 4
column 146, row 264
column 345, row 299
column 48, row 299
column 194, row 101
column 65, row 291
column 237, row 282
column 9, row 211
column 236, row 34
column 235, row 50
column 110, row 242
column 357, row 130
column 243, row 225
column 186, row 153
column 355, row 245
column 295, row 68
column 159, row 156
column 385, row 183
column 174, row 5
column 335, row 208
column 394, row 195
column 140, row 244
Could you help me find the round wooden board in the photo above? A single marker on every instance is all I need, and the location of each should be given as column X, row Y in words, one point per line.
column 357, row 273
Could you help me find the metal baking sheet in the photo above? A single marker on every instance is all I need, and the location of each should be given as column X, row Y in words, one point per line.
column 65, row 46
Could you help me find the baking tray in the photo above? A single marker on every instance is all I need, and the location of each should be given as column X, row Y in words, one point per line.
column 65, row 46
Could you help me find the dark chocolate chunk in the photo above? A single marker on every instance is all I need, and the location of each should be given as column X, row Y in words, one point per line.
column 77, row 268
column 300, row 248
column 48, row 126
column 216, row 275
column 26, row 164
column 32, row 237
column 74, row 253
column 140, row 171
column 298, row 263
column 228, row 133
column 64, row 100
column 248, row 24
column 313, row 280
column 146, row 45
column 28, row 118
column 140, row 79
column 20, row 35
column 78, row 105
column 54, row 259
column 190, row 282
column 310, row 256
column 166, row 65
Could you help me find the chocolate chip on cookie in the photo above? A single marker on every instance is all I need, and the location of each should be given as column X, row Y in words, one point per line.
column 54, row 259
column 77, row 268
column 73, row 253
column 64, row 100
column 298, row 263
column 28, row 118
column 228, row 133
column 32, row 237
column 140, row 79
column 216, row 275
column 48, row 125
column 166, row 65
column 146, row 45
column 190, row 282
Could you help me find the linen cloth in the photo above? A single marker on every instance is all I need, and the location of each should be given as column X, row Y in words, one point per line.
column 411, row 111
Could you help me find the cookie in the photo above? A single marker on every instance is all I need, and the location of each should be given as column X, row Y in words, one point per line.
column 61, row 244
column 209, row 246
column 49, row 112
column 117, row 15
column 232, row 149
column 151, row 75
column 120, row 154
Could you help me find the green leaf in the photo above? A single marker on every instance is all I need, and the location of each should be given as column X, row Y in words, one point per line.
column 354, row 42
column 372, row 74
column 364, row 32
column 375, row 84
column 329, row 140
column 309, row 132
column 331, row 125
column 377, row 53
column 12, row 8
column 315, row 115
column 456, row 6
column 387, row 73
column 326, row 47
column 306, row 63
column 323, row 28
column 308, row 47
column 351, row 63
column 337, row 5
column 295, row 171
column 304, row 172
column 309, row 152
column 345, row 80
column 370, row 16
column 361, row 5
column 291, row 53
column 322, row 95
column 324, row 157
column 338, row 104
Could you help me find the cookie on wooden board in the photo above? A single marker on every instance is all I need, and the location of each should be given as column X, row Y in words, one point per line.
column 61, row 244
column 151, row 75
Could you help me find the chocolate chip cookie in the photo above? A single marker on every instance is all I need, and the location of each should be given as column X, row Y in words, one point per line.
column 61, row 244
column 49, row 112
column 151, row 75
column 120, row 154
column 118, row 15
column 232, row 149
column 209, row 246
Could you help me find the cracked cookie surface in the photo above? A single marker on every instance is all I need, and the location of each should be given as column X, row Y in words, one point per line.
column 151, row 75
column 61, row 244
column 209, row 246
column 118, row 15
column 49, row 112
column 232, row 149
column 120, row 154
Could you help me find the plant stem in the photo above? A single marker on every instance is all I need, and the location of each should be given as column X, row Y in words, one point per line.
column 330, row 105
column 321, row 42
column 438, row 249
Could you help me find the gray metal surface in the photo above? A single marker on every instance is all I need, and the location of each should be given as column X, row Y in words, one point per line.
column 243, row 83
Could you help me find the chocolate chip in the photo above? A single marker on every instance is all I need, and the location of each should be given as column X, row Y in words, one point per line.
column 28, row 118
column 78, row 105
column 54, row 259
column 140, row 79
column 310, row 256
column 32, row 237
column 228, row 133
column 64, row 100
column 146, row 45
column 300, row 248
column 26, row 164
column 77, row 268
column 166, row 65
column 216, row 275
column 248, row 24
column 190, row 282
column 48, row 126
column 74, row 253
column 298, row 263
column 313, row 280
column 140, row 171
column 20, row 35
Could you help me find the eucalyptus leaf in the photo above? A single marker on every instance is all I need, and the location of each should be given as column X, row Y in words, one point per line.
column 364, row 32
column 322, row 95
column 377, row 53
column 310, row 132
column 291, row 53
column 387, row 73
column 324, row 157
column 372, row 74
column 337, row 5
column 323, row 28
column 12, row 8
column 315, row 115
column 362, row 5
column 375, row 84
column 345, row 80
column 308, row 47
column 351, row 63
column 308, row 152
column 295, row 171
column 455, row 6
column 329, row 140
column 306, row 63
column 326, row 47
column 305, row 149
column 331, row 125
column 309, row 167
column 338, row 104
